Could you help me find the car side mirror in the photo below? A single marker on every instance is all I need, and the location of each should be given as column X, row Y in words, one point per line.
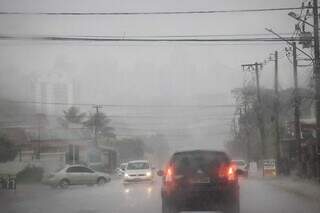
column 160, row 173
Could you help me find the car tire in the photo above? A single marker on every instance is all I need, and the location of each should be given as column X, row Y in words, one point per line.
column 168, row 207
column 64, row 184
column 101, row 181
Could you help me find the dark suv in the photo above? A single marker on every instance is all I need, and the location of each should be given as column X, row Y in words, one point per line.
column 199, row 180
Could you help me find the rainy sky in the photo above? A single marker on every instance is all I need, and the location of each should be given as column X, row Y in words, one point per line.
column 140, row 72
column 127, row 71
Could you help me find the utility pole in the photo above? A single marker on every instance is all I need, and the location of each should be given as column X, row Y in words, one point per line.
column 39, row 137
column 247, row 131
column 276, row 110
column 297, row 130
column 316, row 73
column 97, row 107
column 256, row 67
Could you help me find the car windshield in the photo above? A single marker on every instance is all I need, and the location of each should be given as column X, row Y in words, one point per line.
column 137, row 166
column 239, row 163
column 206, row 161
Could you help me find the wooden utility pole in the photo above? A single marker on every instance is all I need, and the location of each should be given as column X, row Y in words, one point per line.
column 316, row 73
column 247, row 132
column 297, row 130
column 97, row 107
column 256, row 67
column 276, row 109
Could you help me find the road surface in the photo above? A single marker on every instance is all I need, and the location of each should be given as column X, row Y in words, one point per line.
column 256, row 197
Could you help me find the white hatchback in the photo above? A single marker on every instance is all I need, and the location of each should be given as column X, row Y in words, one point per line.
column 137, row 171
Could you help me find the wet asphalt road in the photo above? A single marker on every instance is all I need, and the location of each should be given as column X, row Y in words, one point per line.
column 256, row 197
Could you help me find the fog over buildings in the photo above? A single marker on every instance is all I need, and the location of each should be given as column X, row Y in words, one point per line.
column 136, row 73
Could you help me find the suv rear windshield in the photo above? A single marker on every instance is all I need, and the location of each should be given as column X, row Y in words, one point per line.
column 138, row 165
column 239, row 163
column 206, row 161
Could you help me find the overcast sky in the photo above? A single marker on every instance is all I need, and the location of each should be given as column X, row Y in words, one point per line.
column 127, row 69
column 139, row 73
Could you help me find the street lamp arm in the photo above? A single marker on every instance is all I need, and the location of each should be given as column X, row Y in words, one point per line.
column 293, row 15
column 288, row 42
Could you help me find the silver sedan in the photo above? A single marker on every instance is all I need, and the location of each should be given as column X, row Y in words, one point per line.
column 76, row 175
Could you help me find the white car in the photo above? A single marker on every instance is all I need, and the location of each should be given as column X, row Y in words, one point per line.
column 137, row 171
column 76, row 175
column 242, row 166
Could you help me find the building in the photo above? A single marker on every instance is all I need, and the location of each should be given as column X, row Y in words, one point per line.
column 55, row 88
column 52, row 149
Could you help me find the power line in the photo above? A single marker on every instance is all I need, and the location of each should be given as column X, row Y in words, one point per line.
column 151, row 12
column 168, row 36
column 123, row 105
column 99, row 39
column 189, row 44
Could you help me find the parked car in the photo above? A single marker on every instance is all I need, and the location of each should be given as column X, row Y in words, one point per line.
column 242, row 166
column 137, row 171
column 76, row 175
column 199, row 180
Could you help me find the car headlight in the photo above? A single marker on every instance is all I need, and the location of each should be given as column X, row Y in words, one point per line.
column 126, row 175
column 148, row 174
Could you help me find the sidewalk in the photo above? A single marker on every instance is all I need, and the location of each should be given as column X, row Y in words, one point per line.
column 302, row 187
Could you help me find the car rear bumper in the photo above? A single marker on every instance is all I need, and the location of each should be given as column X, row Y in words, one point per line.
column 212, row 197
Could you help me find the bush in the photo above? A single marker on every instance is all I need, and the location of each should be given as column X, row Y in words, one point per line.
column 30, row 175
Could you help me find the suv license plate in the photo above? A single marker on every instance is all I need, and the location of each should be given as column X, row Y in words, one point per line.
column 201, row 180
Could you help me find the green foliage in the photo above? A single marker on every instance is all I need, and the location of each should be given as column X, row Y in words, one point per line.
column 101, row 122
column 8, row 151
column 30, row 175
column 247, row 124
column 72, row 116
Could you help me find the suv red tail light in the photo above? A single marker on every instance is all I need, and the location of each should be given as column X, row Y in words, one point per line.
column 228, row 171
column 169, row 174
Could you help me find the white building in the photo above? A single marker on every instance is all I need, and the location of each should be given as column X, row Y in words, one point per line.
column 52, row 92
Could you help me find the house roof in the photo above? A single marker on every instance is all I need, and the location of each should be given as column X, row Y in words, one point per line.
column 75, row 134
column 23, row 136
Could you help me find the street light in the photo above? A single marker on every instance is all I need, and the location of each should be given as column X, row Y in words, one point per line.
column 288, row 42
column 296, row 17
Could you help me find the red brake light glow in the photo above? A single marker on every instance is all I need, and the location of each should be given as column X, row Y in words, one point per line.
column 168, row 177
column 228, row 171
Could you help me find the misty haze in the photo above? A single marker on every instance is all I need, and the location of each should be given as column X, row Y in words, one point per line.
column 165, row 106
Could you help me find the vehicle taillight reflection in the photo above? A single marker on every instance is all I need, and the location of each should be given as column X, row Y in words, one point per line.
column 228, row 172
column 169, row 174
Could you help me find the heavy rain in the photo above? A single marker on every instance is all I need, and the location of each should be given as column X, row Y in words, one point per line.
column 129, row 106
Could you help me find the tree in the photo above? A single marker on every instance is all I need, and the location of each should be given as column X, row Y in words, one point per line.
column 72, row 116
column 100, row 122
column 247, row 122
column 8, row 150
